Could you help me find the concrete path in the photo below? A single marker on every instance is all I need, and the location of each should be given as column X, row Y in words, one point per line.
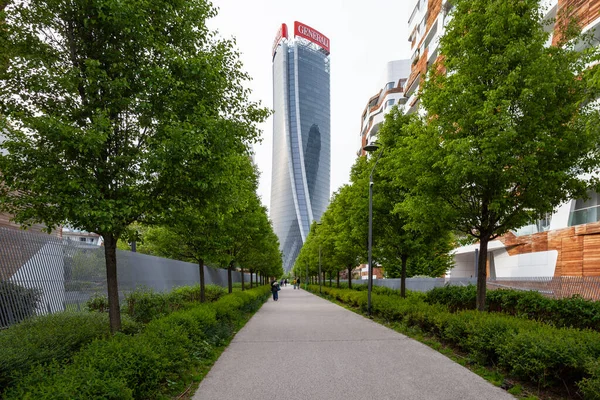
column 304, row 347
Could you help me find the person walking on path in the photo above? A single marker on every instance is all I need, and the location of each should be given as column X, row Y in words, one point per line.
column 275, row 290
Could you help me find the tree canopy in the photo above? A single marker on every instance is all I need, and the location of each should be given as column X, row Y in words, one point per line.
column 117, row 112
column 505, row 139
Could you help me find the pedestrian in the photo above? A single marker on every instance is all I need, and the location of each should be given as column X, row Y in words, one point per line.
column 275, row 289
column 294, row 282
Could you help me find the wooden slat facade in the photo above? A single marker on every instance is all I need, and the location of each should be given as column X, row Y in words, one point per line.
column 433, row 10
column 418, row 68
column 583, row 11
column 578, row 248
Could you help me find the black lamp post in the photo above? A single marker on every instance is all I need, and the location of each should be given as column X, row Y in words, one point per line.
column 319, row 236
column 371, row 147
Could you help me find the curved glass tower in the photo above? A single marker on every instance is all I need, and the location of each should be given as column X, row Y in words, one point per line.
column 301, row 136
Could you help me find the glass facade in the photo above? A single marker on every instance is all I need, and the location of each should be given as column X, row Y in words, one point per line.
column 301, row 143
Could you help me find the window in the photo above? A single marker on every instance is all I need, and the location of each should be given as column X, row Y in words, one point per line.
column 389, row 103
column 389, row 86
column 82, row 239
column 586, row 210
column 401, row 83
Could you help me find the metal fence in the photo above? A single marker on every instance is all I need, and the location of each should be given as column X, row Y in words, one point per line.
column 556, row 287
column 41, row 274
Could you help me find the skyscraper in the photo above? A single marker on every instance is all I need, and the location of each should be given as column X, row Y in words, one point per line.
column 301, row 135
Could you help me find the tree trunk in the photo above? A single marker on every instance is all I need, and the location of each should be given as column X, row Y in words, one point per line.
column 110, row 253
column 250, row 279
column 201, row 269
column 242, row 272
column 349, row 276
column 482, row 272
column 338, row 279
column 330, row 279
column 229, row 279
column 403, row 276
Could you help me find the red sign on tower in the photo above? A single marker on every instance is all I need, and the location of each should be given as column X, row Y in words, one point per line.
column 282, row 33
column 306, row 32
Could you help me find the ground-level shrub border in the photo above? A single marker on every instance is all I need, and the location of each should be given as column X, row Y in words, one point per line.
column 539, row 355
column 156, row 363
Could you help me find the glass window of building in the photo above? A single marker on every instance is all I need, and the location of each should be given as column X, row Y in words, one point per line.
column 585, row 211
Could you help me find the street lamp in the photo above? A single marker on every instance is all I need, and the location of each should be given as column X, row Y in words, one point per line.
column 371, row 147
column 306, row 286
column 319, row 236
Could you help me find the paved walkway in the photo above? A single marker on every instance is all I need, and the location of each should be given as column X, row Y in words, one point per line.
column 304, row 347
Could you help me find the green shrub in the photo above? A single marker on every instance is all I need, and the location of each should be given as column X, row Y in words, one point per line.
column 238, row 285
column 455, row 297
column 17, row 303
column 191, row 294
column 590, row 386
column 140, row 366
column 526, row 349
column 574, row 312
column 97, row 302
column 144, row 304
column 50, row 337
column 548, row 355
column 57, row 382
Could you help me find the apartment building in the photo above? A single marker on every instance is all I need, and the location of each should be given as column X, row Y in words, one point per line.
column 391, row 93
column 565, row 243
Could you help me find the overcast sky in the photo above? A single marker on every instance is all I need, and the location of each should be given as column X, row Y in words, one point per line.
column 364, row 36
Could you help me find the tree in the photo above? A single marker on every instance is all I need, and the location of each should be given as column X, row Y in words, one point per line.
column 349, row 208
column 250, row 240
column 504, row 141
column 402, row 240
column 262, row 253
column 116, row 112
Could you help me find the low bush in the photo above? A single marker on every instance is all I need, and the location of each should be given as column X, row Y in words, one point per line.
column 590, row 386
column 17, row 302
column 144, row 304
column 191, row 294
column 97, row 302
column 50, row 337
column 142, row 366
column 574, row 312
column 543, row 354
column 238, row 285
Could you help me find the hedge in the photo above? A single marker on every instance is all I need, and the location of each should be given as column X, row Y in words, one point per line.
column 145, row 304
column 533, row 351
column 144, row 365
column 574, row 312
column 17, row 302
column 50, row 337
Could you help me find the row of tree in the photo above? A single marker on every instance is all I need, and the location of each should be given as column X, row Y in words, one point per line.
column 509, row 130
column 402, row 246
column 117, row 113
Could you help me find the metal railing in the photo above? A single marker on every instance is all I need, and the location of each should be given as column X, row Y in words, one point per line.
column 41, row 274
column 557, row 287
